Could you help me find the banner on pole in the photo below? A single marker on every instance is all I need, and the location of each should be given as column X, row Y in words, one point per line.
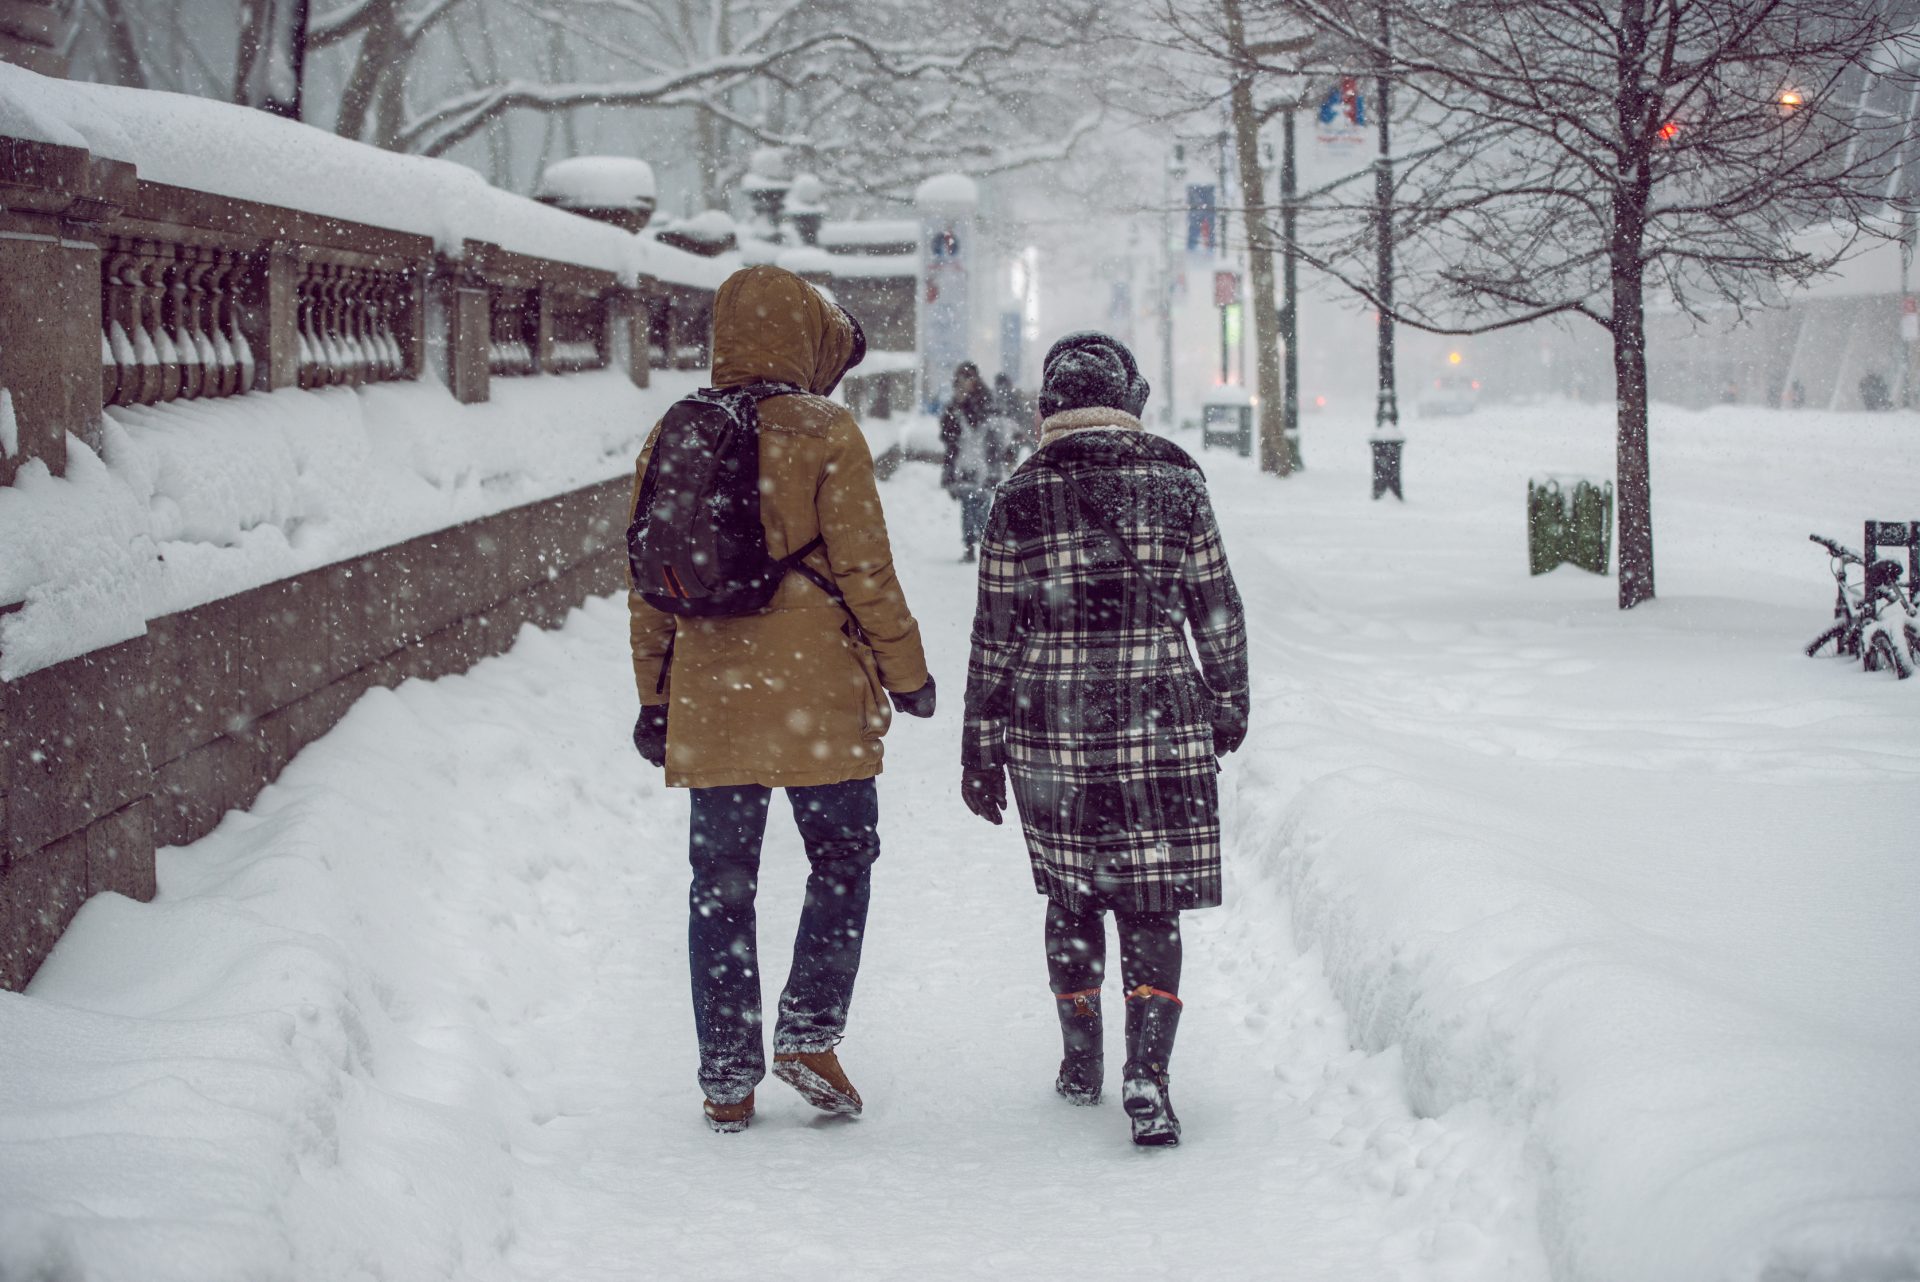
column 1203, row 218
column 1343, row 114
column 1226, row 288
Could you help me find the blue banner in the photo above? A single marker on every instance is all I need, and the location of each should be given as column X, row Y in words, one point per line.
column 1202, row 218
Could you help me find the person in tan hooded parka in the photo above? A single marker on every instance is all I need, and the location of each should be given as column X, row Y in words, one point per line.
column 795, row 697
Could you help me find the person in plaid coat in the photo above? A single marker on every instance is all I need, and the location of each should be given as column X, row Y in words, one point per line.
column 1100, row 557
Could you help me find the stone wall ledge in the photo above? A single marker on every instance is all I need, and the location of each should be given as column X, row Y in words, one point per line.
column 148, row 743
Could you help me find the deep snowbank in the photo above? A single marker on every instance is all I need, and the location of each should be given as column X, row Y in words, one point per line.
column 1644, row 884
column 197, row 500
column 299, row 1062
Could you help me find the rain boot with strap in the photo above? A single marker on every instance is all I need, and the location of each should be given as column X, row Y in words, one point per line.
column 1153, row 1017
column 1082, row 1067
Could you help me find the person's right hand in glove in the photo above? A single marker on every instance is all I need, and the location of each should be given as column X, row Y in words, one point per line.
column 984, row 789
column 650, row 733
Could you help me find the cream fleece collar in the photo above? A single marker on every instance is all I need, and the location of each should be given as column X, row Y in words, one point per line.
column 1057, row 425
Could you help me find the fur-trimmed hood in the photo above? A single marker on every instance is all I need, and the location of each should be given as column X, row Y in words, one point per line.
column 1074, row 436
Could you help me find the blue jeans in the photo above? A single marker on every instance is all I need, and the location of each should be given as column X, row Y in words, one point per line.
column 838, row 823
column 975, row 504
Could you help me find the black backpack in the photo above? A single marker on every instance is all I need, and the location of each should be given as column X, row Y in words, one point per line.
column 696, row 546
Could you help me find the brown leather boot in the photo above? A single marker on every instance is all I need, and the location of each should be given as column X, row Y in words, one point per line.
column 728, row 1118
column 821, row 1081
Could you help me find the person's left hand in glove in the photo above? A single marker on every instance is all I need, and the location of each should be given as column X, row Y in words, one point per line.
column 650, row 733
column 984, row 789
column 1229, row 732
column 916, row 703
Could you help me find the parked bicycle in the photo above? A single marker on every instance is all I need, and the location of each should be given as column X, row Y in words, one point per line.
column 1875, row 616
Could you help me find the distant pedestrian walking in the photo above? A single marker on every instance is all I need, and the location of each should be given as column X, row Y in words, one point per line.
column 975, row 448
column 1017, row 408
column 1102, row 554
column 792, row 695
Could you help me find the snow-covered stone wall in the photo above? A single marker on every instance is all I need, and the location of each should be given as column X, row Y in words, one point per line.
column 278, row 422
column 215, row 587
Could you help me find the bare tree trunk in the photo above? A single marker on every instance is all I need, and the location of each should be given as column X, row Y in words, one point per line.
column 379, row 53
column 706, row 145
column 390, row 105
column 1632, row 464
column 1253, row 186
column 549, row 127
column 570, row 119
column 499, row 136
column 718, row 129
column 127, row 68
column 486, row 72
column 1632, row 191
column 256, row 33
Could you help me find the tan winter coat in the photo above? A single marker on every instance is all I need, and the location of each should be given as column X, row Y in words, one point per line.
column 788, row 697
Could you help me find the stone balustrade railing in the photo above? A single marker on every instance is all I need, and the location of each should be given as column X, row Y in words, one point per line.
column 202, row 296
column 169, row 325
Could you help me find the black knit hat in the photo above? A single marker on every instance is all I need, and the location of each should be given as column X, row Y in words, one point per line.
column 1089, row 369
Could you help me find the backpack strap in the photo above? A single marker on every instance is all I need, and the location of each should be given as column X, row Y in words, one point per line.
column 1157, row 590
column 762, row 389
column 797, row 563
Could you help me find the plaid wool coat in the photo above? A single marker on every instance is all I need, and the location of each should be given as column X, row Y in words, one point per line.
column 1079, row 683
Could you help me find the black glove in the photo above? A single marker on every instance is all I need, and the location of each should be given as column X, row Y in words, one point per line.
column 917, row 704
column 650, row 733
column 984, row 789
column 1229, row 732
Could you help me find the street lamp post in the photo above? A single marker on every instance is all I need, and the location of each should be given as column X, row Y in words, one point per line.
column 1176, row 171
column 1290, row 298
column 1909, row 325
column 1220, row 215
column 1388, row 441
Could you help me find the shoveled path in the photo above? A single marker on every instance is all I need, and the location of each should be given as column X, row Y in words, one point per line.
column 1301, row 1159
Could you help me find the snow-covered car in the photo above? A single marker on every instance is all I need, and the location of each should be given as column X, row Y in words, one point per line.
column 1226, row 418
column 1450, row 394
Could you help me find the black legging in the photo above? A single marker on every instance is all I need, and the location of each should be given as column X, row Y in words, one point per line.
column 1077, row 949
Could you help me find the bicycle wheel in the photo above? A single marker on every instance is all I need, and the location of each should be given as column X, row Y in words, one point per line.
column 1882, row 652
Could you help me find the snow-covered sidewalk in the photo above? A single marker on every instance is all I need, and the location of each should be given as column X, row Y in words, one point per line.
column 1619, row 911
column 1643, row 884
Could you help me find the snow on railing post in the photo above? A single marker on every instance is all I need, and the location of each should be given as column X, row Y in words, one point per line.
column 51, row 362
column 627, row 339
column 465, row 302
column 539, row 323
column 277, row 338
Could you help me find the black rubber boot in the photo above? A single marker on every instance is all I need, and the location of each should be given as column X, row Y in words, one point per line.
column 1083, row 1065
column 1153, row 1017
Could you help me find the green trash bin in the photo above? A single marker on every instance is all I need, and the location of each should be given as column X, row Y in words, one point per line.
column 1569, row 519
column 1590, row 527
column 1546, row 525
